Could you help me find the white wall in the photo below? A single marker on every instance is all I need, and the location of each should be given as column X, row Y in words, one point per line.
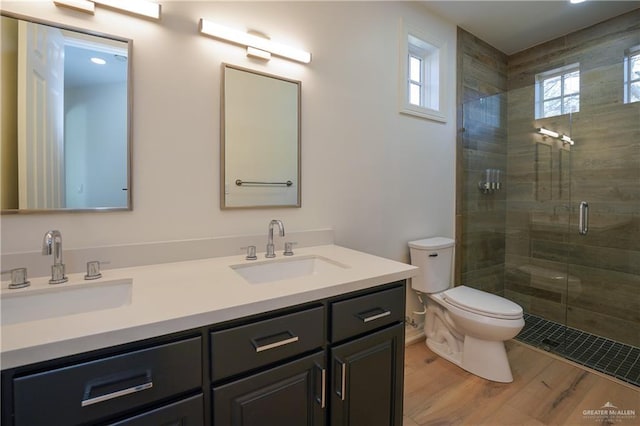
column 377, row 177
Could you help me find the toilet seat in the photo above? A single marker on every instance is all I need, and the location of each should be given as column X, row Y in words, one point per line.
column 482, row 303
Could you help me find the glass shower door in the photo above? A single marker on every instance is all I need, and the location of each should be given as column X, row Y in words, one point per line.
column 604, row 257
column 540, row 276
column 585, row 232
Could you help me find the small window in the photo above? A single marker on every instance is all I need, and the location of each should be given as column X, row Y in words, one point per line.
column 558, row 91
column 632, row 75
column 421, row 77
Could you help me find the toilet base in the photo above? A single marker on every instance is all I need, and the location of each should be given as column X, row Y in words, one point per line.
column 484, row 358
column 443, row 350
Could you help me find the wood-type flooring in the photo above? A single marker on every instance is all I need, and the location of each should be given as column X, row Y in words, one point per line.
column 546, row 391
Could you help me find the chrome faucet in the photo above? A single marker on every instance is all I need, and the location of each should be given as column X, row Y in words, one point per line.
column 270, row 246
column 52, row 244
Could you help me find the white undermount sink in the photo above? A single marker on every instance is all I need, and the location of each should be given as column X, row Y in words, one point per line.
column 286, row 268
column 64, row 299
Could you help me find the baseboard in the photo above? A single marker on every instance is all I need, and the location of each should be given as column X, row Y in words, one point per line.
column 413, row 334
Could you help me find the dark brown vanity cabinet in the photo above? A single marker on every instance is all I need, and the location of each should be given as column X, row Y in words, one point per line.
column 336, row 361
column 367, row 379
column 290, row 394
column 367, row 359
column 351, row 377
column 270, row 371
column 161, row 383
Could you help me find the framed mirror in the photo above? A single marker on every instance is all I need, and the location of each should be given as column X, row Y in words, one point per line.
column 260, row 141
column 66, row 120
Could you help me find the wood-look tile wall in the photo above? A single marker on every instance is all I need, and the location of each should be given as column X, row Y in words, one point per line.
column 546, row 181
column 482, row 144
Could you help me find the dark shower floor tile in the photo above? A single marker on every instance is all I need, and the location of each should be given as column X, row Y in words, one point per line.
column 607, row 356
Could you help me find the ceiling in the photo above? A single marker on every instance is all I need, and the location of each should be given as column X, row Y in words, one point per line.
column 80, row 71
column 513, row 26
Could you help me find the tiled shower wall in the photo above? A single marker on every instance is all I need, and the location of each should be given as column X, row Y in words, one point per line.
column 522, row 241
column 482, row 145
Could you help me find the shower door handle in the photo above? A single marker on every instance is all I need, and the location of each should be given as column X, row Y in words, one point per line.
column 583, row 220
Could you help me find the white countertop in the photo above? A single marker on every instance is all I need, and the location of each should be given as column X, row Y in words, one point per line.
column 172, row 297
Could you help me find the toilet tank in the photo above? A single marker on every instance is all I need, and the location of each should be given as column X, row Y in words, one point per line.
column 434, row 257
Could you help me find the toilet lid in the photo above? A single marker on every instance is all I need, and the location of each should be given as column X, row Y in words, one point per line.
column 433, row 243
column 482, row 303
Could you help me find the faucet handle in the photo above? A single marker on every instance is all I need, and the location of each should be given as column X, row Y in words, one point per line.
column 18, row 278
column 288, row 248
column 93, row 270
column 251, row 252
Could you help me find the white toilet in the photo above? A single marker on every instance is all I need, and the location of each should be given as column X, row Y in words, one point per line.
column 463, row 325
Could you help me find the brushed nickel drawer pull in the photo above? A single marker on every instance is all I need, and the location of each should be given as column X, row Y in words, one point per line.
column 343, row 381
column 374, row 317
column 323, row 387
column 261, row 348
column 112, row 395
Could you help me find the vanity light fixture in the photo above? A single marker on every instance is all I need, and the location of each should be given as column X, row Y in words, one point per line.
column 555, row 135
column 264, row 45
column 79, row 5
column 567, row 139
column 257, row 53
column 547, row 132
column 144, row 8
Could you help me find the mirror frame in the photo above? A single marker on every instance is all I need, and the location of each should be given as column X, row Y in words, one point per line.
column 223, row 141
column 129, row 42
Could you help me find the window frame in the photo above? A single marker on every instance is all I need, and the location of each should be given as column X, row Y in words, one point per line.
column 432, row 53
column 561, row 72
column 633, row 52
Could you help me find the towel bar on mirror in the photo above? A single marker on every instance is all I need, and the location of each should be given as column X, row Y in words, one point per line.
column 241, row 182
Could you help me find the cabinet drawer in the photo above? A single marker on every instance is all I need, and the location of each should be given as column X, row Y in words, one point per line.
column 365, row 313
column 187, row 412
column 263, row 342
column 97, row 390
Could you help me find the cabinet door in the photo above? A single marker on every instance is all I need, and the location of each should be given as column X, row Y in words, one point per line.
column 367, row 379
column 292, row 394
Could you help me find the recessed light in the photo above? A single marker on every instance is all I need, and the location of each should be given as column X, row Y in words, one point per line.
column 98, row 61
column 576, row 1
